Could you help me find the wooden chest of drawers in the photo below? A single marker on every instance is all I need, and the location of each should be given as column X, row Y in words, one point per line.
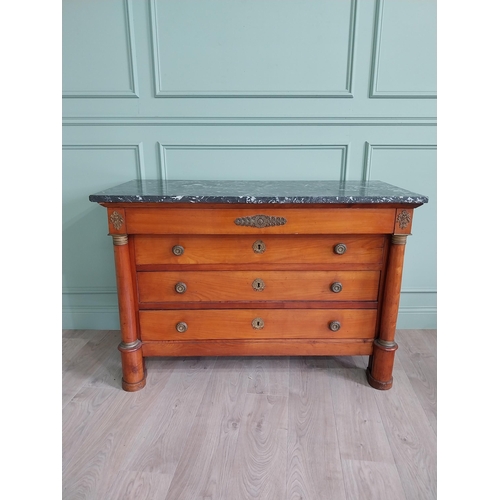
column 200, row 273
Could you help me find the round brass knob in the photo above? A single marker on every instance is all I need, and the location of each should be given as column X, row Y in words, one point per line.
column 181, row 327
column 180, row 287
column 258, row 285
column 178, row 250
column 259, row 246
column 258, row 323
column 336, row 287
column 340, row 249
column 334, row 326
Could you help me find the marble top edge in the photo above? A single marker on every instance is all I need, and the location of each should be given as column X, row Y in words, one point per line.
column 257, row 192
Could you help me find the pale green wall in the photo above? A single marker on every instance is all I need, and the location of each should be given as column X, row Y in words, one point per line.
column 239, row 89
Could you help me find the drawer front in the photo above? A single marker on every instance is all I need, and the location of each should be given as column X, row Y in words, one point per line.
column 259, row 249
column 230, row 286
column 259, row 347
column 257, row 220
column 258, row 324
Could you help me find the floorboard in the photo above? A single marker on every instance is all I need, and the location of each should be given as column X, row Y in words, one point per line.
column 359, row 424
column 314, row 467
column 209, row 449
column 372, row 480
column 421, row 368
column 284, row 428
column 411, row 438
column 258, row 470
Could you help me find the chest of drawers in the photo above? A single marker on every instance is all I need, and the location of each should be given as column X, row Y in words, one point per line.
column 258, row 269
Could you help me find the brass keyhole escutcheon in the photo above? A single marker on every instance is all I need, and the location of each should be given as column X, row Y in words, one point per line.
column 334, row 326
column 258, row 285
column 258, row 324
column 178, row 250
column 336, row 287
column 180, row 287
column 259, row 246
column 181, row 327
column 340, row 249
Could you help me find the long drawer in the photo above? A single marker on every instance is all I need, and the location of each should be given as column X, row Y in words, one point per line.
column 259, row 249
column 259, row 220
column 195, row 286
column 258, row 324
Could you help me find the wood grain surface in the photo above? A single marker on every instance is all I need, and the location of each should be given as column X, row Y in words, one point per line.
column 275, row 323
column 209, row 448
column 289, row 428
column 232, row 286
column 259, row 347
column 314, row 467
column 205, row 220
column 258, row 469
column 419, row 355
column 286, row 249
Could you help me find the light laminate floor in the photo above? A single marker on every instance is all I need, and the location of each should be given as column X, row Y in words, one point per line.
column 247, row 428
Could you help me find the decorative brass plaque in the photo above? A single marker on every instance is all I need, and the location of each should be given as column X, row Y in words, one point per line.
column 258, row 285
column 116, row 219
column 260, row 221
column 403, row 219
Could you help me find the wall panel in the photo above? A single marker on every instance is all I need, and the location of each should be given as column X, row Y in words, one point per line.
column 252, row 49
column 407, row 68
column 87, row 265
column 266, row 162
column 413, row 166
column 330, row 89
column 98, row 49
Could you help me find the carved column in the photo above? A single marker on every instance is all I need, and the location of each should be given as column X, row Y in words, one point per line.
column 134, row 377
column 381, row 363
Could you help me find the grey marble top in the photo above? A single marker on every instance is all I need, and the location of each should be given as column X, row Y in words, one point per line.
column 256, row 192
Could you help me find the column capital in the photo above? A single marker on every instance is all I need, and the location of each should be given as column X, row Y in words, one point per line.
column 399, row 239
column 119, row 239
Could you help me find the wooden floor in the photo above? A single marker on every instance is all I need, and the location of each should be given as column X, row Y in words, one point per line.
column 248, row 428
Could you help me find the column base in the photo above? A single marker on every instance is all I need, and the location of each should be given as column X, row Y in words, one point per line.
column 134, row 371
column 378, row 384
column 379, row 371
column 135, row 386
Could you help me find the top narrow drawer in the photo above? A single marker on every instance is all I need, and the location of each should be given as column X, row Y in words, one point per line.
column 255, row 220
